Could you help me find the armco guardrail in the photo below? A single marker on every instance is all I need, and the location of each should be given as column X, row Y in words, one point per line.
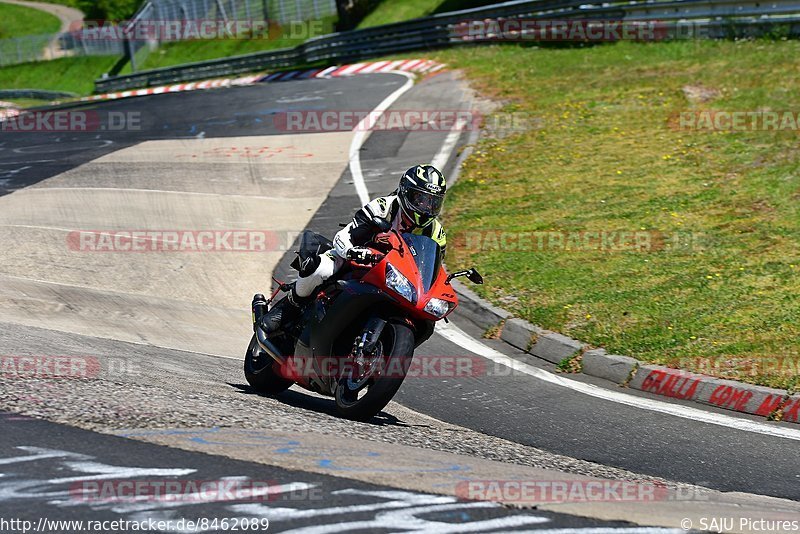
column 718, row 18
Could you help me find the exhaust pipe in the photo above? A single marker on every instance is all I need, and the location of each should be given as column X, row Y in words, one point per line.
column 269, row 347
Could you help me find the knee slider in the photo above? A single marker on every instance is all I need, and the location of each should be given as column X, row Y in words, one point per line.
column 310, row 265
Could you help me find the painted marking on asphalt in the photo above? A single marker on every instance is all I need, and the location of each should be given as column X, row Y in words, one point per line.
column 327, row 71
column 258, row 491
column 37, row 454
column 441, row 158
column 455, row 335
column 100, row 471
column 374, row 66
column 395, row 510
column 285, row 514
column 391, row 66
column 411, row 64
column 361, row 136
column 352, row 69
column 399, row 511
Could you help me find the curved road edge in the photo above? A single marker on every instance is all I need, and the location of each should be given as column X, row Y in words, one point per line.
column 772, row 404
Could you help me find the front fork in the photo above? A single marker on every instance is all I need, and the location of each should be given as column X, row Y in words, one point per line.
column 366, row 343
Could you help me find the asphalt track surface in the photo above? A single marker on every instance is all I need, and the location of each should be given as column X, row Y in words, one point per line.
column 518, row 408
column 57, row 474
column 26, row 158
column 528, row 411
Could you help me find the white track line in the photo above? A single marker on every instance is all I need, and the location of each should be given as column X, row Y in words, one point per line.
column 455, row 335
column 361, row 135
column 442, row 157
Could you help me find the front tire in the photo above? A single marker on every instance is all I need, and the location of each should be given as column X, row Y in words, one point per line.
column 397, row 341
column 261, row 371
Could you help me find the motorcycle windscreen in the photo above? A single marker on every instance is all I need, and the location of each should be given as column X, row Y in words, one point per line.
column 427, row 255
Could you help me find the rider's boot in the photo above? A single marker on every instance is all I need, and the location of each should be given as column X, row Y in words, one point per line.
column 285, row 310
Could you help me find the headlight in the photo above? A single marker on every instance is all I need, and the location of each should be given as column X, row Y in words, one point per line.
column 400, row 284
column 438, row 307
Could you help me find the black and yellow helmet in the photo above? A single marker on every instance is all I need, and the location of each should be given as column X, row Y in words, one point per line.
column 421, row 193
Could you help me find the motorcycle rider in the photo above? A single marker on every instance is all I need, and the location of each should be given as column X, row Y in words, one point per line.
column 412, row 208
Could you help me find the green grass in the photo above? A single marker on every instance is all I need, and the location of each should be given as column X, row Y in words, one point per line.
column 200, row 50
column 724, row 297
column 75, row 75
column 17, row 21
column 389, row 11
column 102, row 9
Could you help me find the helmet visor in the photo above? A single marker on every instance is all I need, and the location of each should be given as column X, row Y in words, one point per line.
column 424, row 203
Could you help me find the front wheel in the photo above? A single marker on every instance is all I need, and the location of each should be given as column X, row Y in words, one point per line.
column 261, row 371
column 370, row 382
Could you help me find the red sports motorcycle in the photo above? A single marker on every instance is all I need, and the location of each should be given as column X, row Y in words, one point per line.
column 356, row 340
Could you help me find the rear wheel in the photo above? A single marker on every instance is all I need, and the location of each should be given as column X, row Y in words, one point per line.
column 261, row 371
column 370, row 382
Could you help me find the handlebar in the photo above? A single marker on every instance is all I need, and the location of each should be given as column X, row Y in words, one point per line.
column 362, row 257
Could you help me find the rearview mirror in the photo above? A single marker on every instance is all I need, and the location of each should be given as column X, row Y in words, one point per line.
column 472, row 275
column 475, row 277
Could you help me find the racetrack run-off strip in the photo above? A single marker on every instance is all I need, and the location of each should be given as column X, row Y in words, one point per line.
column 421, row 66
column 457, row 336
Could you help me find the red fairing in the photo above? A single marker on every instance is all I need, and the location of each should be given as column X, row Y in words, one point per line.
column 405, row 264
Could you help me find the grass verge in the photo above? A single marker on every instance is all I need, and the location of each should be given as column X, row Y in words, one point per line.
column 199, row 50
column 389, row 11
column 17, row 21
column 102, row 10
column 75, row 75
column 717, row 289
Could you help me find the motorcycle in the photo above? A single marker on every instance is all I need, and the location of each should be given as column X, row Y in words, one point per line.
column 355, row 341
